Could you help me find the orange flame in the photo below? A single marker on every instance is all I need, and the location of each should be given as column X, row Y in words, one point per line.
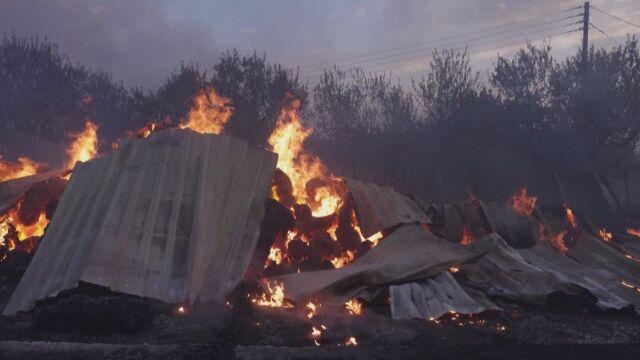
column 351, row 341
column 522, row 203
column 467, row 238
column 275, row 297
column 25, row 167
column 312, row 309
column 354, row 307
column 209, row 114
column 85, row 145
column 342, row 260
column 287, row 141
column 556, row 241
column 605, row 235
column 634, row 232
column 571, row 217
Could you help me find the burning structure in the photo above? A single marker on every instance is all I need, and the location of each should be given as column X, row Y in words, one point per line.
column 184, row 215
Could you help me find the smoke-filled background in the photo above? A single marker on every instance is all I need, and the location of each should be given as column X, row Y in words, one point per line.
column 442, row 99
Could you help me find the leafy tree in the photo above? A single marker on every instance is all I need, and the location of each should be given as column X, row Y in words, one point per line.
column 258, row 92
column 450, row 82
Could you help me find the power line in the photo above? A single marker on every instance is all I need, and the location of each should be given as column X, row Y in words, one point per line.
column 615, row 17
column 449, row 44
column 331, row 62
column 467, row 45
column 603, row 32
column 470, row 52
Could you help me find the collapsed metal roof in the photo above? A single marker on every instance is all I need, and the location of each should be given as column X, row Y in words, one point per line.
column 379, row 208
column 174, row 217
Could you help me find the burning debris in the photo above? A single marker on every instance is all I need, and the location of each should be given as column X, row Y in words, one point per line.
column 182, row 216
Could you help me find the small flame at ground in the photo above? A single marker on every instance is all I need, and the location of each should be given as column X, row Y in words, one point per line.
column 354, row 307
column 522, row 203
column 351, row 341
column 604, row 235
column 312, row 310
column 454, row 269
column 275, row 297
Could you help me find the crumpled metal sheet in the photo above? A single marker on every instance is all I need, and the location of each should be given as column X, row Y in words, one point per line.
column 409, row 253
column 434, row 297
column 452, row 220
column 174, row 217
column 602, row 284
column 502, row 271
column 379, row 208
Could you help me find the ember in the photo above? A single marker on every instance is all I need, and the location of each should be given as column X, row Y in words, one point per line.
column 571, row 217
column 354, row 307
column 604, row 235
column 467, row 238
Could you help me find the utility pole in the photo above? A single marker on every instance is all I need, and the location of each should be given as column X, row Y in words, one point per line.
column 585, row 36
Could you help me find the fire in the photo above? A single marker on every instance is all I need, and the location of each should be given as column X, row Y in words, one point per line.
column 354, row 307
column 467, row 238
column 374, row 239
column 209, row 114
column 25, row 231
column 634, row 232
column 571, row 217
column 275, row 256
column 85, row 145
column 454, row 269
column 287, row 141
column 556, row 241
column 343, row 259
column 351, row 341
column 316, row 333
column 312, row 310
column 275, row 298
column 24, row 167
column 522, row 203
column 630, row 285
column 604, row 235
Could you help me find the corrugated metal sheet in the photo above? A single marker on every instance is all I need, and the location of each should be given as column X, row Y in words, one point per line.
column 434, row 297
column 174, row 217
column 601, row 283
column 502, row 271
column 409, row 253
column 379, row 208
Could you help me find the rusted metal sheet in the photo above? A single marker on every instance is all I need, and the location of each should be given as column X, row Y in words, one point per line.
column 379, row 208
column 433, row 297
column 174, row 217
column 409, row 253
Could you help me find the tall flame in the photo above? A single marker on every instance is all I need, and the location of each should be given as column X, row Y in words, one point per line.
column 287, row 141
column 209, row 114
column 84, row 146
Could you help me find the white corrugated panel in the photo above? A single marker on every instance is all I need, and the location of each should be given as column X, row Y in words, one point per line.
column 174, row 217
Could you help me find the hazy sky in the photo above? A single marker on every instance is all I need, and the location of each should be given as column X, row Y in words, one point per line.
column 141, row 41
